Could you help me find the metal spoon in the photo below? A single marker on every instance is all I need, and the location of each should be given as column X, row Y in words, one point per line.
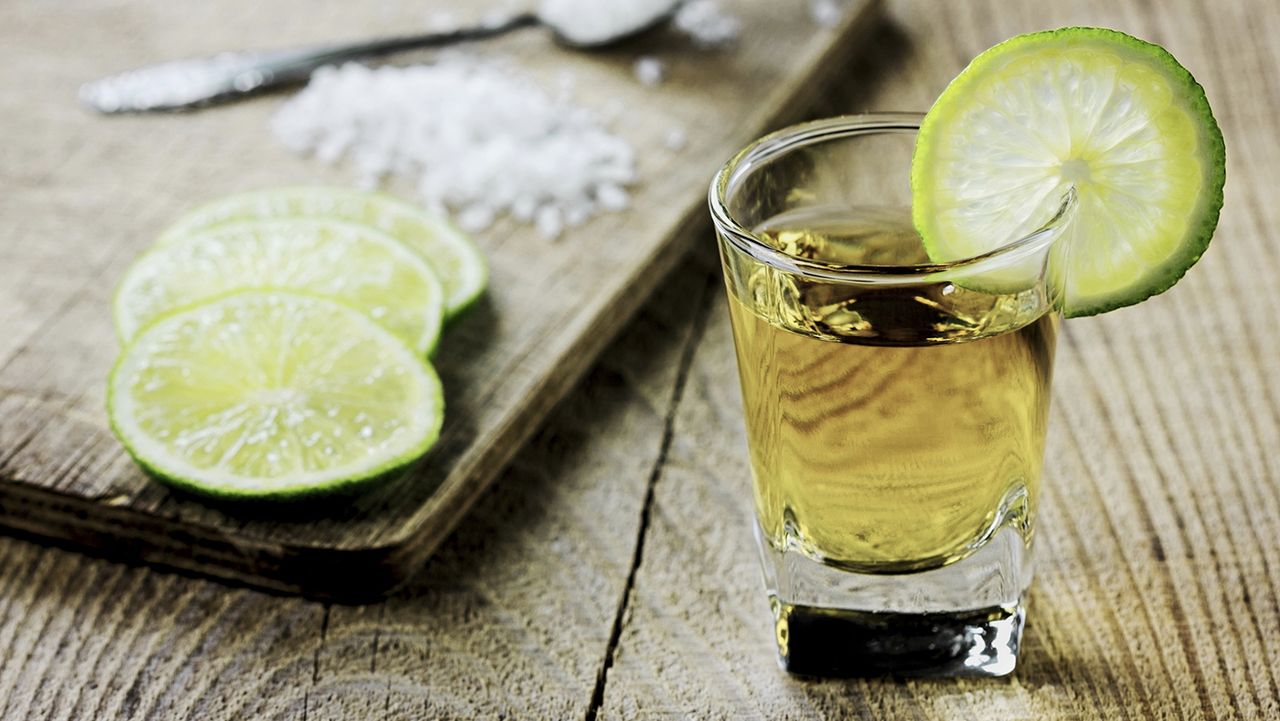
column 182, row 84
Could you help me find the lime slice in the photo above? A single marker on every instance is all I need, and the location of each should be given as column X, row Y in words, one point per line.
column 360, row 266
column 272, row 395
column 1115, row 117
column 457, row 262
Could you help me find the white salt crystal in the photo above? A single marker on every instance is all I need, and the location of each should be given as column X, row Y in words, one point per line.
column 523, row 208
column 707, row 23
column 549, row 222
column 477, row 136
column 676, row 139
column 612, row 197
column 476, row 218
column 649, row 70
column 826, row 13
column 577, row 214
column 566, row 83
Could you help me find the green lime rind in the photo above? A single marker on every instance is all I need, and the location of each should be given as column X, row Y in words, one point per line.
column 422, row 403
column 356, row 264
column 1184, row 249
column 457, row 261
column 295, row 494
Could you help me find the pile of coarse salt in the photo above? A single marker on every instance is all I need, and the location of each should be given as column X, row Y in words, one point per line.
column 479, row 137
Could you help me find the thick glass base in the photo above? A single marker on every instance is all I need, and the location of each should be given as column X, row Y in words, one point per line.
column 963, row 619
column 834, row 642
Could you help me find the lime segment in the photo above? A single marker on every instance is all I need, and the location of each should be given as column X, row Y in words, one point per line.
column 268, row 394
column 1114, row 117
column 457, row 261
column 360, row 266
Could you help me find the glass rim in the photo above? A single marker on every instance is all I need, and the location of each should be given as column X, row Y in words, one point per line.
column 781, row 142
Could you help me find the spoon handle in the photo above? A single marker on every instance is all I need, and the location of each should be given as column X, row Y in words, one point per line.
column 182, row 84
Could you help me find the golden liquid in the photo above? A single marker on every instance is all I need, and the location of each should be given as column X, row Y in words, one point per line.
column 886, row 425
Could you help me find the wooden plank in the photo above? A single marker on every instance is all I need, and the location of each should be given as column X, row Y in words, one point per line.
column 1158, row 581
column 88, row 639
column 1157, row 596
column 511, row 618
column 85, row 194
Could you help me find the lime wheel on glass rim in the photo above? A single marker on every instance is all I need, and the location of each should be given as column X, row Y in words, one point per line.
column 1115, row 118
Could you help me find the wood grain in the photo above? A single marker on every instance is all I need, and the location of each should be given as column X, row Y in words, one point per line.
column 1159, row 540
column 1158, row 586
column 84, row 194
column 511, row 619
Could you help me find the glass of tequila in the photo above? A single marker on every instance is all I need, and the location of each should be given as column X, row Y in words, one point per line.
column 895, row 408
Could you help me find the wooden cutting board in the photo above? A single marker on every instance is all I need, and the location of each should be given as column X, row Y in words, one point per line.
column 83, row 194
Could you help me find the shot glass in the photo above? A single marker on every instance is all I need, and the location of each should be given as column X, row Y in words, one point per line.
column 895, row 407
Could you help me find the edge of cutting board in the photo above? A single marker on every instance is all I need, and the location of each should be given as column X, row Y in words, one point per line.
column 365, row 574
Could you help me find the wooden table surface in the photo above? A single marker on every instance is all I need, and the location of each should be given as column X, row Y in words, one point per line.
column 609, row 573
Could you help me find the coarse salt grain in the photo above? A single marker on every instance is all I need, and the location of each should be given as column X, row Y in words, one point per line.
column 478, row 137
column 613, row 197
column 649, row 70
column 707, row 23
column 676, row 139
column 826, row 13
